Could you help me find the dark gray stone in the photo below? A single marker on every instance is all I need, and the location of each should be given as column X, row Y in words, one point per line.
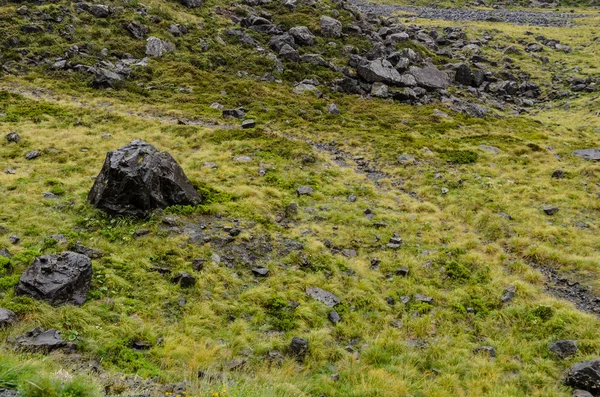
column 260, row 271
column 585, row 375
column 550, row 210
column 380, row 71
column 325, row 297
column 185, row 280
column 299, row 348
column 7, row 317
column 430, row 77
column 563, row 348
column 13, row 137
column 330, row 27
column 489, row 350
column 33, row 155
column 136, row 30
column 137, row 179
column 334, row 317
column 588, row 154
column 57, row 279
column 192, row 3
column 38, row 339
column 302, row 35
column 304, row 191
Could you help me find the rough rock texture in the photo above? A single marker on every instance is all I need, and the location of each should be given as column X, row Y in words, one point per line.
column 326, row 297
column 330, row 27
column 563, row 348
column 57, row 279
column 585, row 375
column 192, row 3
column 588, row 154
column 379, row 71
column 430, row 77
column 39, row 339
column 299, row 348
column 137, row 179
column 7, row 317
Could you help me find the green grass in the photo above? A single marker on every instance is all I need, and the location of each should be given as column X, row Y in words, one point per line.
column 458, row 249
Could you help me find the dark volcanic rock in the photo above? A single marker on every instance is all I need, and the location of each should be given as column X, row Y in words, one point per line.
column 330, row 27
column 588, row 154
column 57, row 279
column 299, row 348
column 185, row 280
column 585, row 375
column 563, row 348
column 136, row 30
column 490, row 351
column 137, row 179
column 39, row 339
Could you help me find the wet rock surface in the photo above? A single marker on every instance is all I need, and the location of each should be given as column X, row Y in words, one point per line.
column 137, row 179
column 57, row 279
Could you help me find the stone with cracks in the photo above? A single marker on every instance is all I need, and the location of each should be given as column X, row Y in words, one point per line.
column 57, row 279
column 137, row 179
column 585, row 375
column 38, row 339
column 325, row 297
column 430, row 77
column 563, row 348
column 380, row 71
column 330, row 27
column 302, row 35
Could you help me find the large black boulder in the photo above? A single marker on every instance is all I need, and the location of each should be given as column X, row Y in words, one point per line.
column 57, row 279
column 137, row 179
column 585, row 375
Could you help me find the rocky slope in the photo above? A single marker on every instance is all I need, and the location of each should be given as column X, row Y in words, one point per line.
column 298, row 198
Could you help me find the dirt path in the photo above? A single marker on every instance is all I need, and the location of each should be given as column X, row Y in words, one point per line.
column 516, row 17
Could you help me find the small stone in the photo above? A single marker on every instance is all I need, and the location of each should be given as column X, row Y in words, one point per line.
column 509, row 294
column 13, row 137
column 210, row 165
column 445, row 190
column 260, row 271
column 490, row 351
column 563, row 348
column 403, row 272
column 32, row 155
column 198, row 264
column 14, row 239
column 334, row 317
column 304, row 191
column 299, row 348
column 424, row 298
column 550, row 210
column 185, row 280
column 216, row 258
column 333, row 109
column 558, row 174
column 248, row 123
column 242, row 159
column 351, row 198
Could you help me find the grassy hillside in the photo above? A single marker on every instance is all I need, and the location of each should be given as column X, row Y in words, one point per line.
column 471, row 221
